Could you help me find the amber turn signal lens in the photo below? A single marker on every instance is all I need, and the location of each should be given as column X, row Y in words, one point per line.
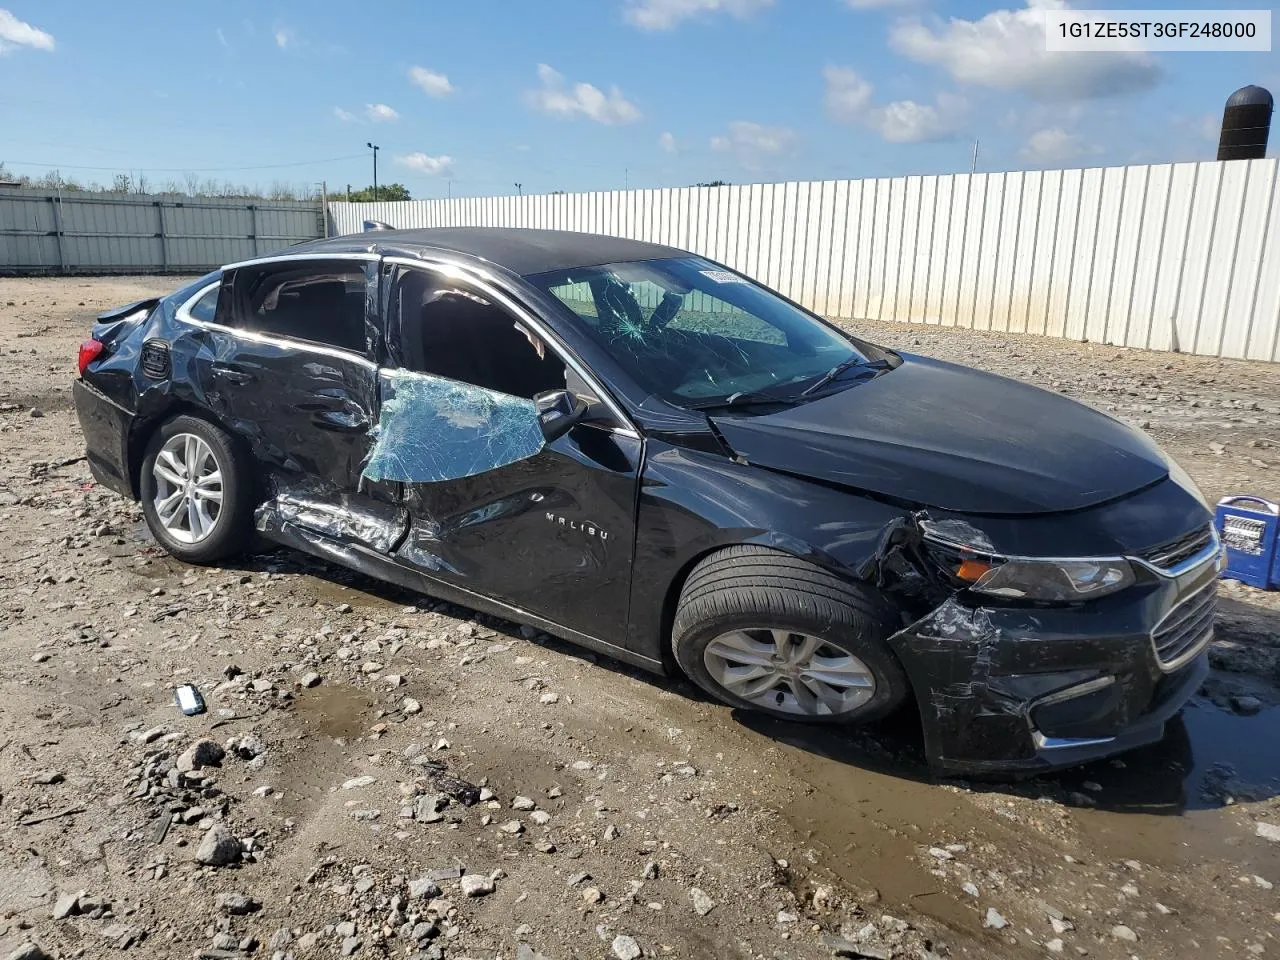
column 971, row 571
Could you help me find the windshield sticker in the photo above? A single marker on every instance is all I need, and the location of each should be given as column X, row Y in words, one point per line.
column 722, row 276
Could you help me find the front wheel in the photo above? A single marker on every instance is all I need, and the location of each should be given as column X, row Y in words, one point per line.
column 763, row 630
column 195, row 493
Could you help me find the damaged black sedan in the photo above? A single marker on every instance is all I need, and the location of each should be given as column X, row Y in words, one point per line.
column 651, row 455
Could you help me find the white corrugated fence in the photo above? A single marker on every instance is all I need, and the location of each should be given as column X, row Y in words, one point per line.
column 1168, row 257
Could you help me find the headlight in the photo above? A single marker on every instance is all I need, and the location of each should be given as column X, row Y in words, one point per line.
column 1061, row 581
column 966, row 554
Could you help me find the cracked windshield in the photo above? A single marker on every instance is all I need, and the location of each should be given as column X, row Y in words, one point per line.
column 699, row 335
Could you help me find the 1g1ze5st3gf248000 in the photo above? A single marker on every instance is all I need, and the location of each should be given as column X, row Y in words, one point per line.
column 654, row 456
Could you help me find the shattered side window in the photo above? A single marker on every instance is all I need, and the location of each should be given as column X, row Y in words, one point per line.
column 433, row 429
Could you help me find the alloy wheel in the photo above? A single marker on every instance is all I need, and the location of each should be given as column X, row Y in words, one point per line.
column 188, row 498
column 789, row 672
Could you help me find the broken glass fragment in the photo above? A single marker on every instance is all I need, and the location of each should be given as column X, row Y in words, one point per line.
column 433, row 429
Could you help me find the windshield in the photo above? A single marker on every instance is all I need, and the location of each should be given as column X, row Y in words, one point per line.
column 696, row 334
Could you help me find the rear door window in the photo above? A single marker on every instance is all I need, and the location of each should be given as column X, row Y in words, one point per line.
column 319, row 302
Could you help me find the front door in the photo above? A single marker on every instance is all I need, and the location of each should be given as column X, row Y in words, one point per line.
column 545, row 527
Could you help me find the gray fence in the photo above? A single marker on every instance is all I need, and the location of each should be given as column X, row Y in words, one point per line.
column 44, row 231
column 1179, row 256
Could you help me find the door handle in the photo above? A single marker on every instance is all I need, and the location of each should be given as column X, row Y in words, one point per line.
column 231, row 374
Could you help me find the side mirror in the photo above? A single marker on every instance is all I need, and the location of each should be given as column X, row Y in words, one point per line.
column 558, row 411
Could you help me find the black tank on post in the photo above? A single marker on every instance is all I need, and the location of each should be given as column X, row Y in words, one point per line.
column 1245, row 124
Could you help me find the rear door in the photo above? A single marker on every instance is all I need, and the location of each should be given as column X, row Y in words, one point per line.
column 289, row 365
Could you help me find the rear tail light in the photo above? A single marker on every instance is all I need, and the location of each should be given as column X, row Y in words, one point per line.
column 90, row 350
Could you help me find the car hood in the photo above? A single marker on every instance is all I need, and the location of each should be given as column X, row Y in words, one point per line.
column 943, row 435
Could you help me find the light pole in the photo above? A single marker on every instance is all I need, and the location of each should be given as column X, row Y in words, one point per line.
column 374, row 147
column 520, row 189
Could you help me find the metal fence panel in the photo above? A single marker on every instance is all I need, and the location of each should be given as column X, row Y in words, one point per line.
column 1172, row 256
column 68, row 232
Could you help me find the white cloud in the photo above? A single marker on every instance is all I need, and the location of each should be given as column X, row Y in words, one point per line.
column 18, row 33
column 754, row 145
column 1055, row 147
column 1006, row 50
column 380, row 113
column 849, row 99
column 905, row 121
column 667, row 142
column 665, row 14
column 346, row 116
column 848, row 95
column 441, row 166
column 559, row 99
column 433, row 84
column 222, row 37
column 285, row 38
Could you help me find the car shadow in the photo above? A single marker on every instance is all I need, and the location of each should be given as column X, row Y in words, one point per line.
column 1210, row 755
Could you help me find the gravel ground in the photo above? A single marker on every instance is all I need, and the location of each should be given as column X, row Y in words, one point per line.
column 381, row 775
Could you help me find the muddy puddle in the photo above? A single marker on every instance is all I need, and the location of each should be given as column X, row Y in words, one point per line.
column 866, row 803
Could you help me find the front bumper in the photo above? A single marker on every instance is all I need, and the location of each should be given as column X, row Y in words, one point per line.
column 1026, row 690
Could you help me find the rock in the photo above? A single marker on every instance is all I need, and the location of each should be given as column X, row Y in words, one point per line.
column 309, row 680
column 970, row 888
column 475, row 885
column 626, row 948
column 651, row 870
column 994, row 920
column 237, row 904
column 357, row 783
column 592, row 895
column 513, row 827
column 1246, row 705
column 611, row 832
column 260, row 685
column 1121, row 932
column 702, row 904
column 1268, row 831
column 219, row 847
column 226, row 941
column 427, row 809
column 30, row 951
column 249, row 746
column 203, row 753
column 424, row 888
column 1054, row 945
column 549, row 698
column 350, row 946
column 522, row 803
column 840, row 947
column 68, row 905
column 939, row 854
column 540, row 817
column 410, row 705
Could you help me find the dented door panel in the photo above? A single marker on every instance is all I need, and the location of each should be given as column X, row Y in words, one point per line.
column 551, row 532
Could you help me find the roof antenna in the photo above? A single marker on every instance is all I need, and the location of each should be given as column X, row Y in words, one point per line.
column 376, row 225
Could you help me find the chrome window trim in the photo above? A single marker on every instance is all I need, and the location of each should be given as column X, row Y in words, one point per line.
column 489, row 284
column 287, row 257
column 183, row 313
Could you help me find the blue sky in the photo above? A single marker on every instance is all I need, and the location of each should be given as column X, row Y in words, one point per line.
column 585, row 94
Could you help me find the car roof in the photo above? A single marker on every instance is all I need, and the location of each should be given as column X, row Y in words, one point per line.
column 522, row 251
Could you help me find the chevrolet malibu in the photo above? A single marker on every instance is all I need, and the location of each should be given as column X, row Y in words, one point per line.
column 654, row 456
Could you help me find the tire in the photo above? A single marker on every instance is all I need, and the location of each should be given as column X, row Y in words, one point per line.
column 231, row 527
column 781, row 602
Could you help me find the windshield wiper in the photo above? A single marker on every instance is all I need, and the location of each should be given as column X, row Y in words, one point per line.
column 841, row 367
column 743, row 399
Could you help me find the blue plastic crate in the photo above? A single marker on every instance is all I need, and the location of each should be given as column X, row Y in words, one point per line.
column 1250, row 530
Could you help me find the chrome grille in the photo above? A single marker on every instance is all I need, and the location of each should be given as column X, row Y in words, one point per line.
column 1174, row 552
column 1186, row 629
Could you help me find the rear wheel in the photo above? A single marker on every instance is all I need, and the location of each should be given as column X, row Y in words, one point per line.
column 195, row 493
column 763, row 630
